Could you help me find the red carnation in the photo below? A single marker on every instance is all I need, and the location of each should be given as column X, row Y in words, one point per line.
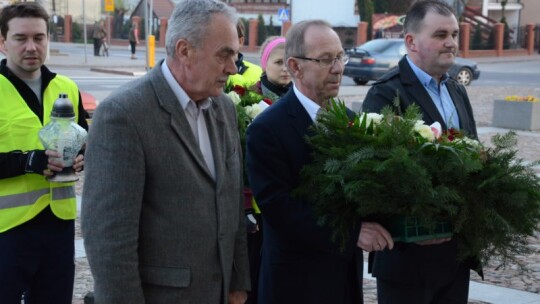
column 452, row 134
column 240, row 90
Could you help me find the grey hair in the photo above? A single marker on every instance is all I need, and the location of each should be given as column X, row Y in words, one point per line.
column 189, row 20
column 295, row 45
column 416, row 14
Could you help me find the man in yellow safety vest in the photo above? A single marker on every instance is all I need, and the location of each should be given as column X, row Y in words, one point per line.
column 36, row 216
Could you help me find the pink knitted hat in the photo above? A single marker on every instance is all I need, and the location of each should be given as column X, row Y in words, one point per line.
column 268, row 50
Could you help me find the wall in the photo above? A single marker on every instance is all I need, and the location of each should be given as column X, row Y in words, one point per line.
column 531, row 12
column 92, row 10
column 339, row 13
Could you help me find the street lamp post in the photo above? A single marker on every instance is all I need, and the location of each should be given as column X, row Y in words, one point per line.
column 84, row 29
column 146, row 31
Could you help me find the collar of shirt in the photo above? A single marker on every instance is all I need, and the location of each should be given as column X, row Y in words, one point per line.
column 308, row 104
column 439, row 95
column 425, row 79
column 180, row 94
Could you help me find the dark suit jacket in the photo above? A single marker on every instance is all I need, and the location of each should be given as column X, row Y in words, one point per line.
column 300, row 263
column 157, row 227
column 410, row 261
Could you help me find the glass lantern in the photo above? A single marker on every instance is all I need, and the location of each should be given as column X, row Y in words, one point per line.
column 63, row 135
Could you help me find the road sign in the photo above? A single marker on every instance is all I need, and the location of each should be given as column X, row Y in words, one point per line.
column 109, row 6
column 283, row 14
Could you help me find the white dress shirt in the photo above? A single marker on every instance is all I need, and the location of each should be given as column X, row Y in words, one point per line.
column 311, row 107
column 195, row 114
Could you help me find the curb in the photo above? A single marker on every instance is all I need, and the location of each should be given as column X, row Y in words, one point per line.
column 527, row 58
column 118, row 72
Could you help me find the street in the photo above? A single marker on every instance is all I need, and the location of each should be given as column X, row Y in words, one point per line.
column 495, row 72
column 100, row 85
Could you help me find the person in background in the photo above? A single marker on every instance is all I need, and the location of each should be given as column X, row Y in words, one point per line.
column 133, row 38
column 98, row 35
column 300, row 262
column 248, row 73
column 37, row 217
column 164, row 221
column 275, row 82
column 429, row 271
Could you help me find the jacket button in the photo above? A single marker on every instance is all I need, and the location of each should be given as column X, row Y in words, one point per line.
column 216, row 277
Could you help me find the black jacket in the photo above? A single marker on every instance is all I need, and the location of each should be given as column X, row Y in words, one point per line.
column 402, row 80
column 410, row 261
column 300, row 263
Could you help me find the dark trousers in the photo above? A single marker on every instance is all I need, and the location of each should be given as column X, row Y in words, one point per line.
column 132, row 44
column 97, row 46
column 428, row 291
column 37, row 260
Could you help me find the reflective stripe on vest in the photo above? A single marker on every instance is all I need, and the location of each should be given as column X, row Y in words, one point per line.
column 29, row 198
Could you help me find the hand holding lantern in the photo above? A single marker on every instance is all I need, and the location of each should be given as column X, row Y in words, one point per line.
column 63, row 135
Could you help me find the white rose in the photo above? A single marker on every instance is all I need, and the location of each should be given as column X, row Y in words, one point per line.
column 424, row 130
column 372, row 118
column 418, row 124
column 253, row 110
column 234, row 97
column 469, row 141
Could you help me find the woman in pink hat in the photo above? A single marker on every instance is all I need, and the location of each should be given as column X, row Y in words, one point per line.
column 275, row 81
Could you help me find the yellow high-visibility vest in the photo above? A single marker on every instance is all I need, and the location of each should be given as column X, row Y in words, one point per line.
column 25, row 196
column 250, row 77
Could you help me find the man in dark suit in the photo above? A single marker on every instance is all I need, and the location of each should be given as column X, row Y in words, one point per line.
column 162, row 210
column 300, row 263
column 426, row 272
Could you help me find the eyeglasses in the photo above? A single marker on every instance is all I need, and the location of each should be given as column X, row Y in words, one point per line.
column 326, row 62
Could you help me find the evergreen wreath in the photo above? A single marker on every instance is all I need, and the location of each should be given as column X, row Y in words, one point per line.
column 378, row 167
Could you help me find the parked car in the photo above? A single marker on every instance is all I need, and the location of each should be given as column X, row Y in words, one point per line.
column 372, row 59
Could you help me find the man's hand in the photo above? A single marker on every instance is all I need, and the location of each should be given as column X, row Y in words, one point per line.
column 237, row 297
column 373, row 237
column 78, row 163
column 251, row 222
column 43, row 162
column 49, row 162
column 54, row 163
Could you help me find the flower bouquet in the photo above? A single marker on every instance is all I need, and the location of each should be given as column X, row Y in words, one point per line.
column 248, row 104
column 383, row 167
